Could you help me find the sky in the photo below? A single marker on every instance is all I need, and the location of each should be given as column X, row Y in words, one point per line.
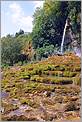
column 16, row 15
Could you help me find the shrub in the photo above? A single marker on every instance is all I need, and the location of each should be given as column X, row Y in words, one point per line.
column 11, row 48
column 44, row 51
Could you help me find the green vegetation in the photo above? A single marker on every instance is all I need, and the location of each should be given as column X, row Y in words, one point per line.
column 46, row 37
column 49, row 22
column 46, row 71
column 49, row 82
column 11, row 49
column 48, row 88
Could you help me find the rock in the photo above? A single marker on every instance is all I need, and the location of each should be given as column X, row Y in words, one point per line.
column 58, row 99
column 70, row 115
column 52, row 94
column 4, row 94
column 47, row 93
column 70, row 106
column 74, row 98
column 15, row 102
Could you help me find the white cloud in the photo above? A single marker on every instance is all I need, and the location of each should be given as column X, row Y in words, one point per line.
column 26, row 22
column 38, row 4
column 19, row 19
column 15, row 7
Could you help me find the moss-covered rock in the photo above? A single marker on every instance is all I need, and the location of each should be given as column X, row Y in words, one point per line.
column 50, row 88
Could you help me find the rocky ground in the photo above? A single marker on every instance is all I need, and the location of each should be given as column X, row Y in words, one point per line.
column 48, row 90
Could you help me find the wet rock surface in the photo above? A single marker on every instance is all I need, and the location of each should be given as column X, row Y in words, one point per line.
column 42, row 107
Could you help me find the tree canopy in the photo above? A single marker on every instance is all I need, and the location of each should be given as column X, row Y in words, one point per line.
column 46, row 36
column 49, row 21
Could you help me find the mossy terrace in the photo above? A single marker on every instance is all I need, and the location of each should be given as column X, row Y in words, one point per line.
column 54, row 83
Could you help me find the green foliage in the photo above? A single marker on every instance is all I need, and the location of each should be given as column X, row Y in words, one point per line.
column 69, row 74
column 19, row 33
column 44, row 51
column 24, row 39
column 49, row 23
column 26, row 101
column 78, row 68
column 46, row 37
column 75, row 16
column 11, row 48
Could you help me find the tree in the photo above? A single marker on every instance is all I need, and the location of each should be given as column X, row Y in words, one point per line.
column 49, row 23
column 19, row 33
column 75, row 16
column 11, row 48
column 45, row 51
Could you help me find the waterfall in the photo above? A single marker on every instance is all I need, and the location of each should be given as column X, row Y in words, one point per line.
column 63, row 37
column 77, row 50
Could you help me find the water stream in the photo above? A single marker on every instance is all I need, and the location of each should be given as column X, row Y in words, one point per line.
column 63, row 37
column 77, row 50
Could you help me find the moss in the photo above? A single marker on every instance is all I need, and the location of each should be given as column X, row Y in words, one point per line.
column 55, row 80
column 62, row 68
column 53, row 73
column 77, row 68
column 50, row 67
column 69, row 74
column 77, row 80
column 59, row 67
column 30, row 87
column 46, row 72
column 61, row 81
column 9, row 107
column 24, row 75
column 35, row 78
column 32, row 72
column 4, row 81
column 45, row 68
column 49, row 75
column 29, row 102
column 13, row 92
column 39, row 71
column 57, row 73
column 15, row 118
column 25, row 101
